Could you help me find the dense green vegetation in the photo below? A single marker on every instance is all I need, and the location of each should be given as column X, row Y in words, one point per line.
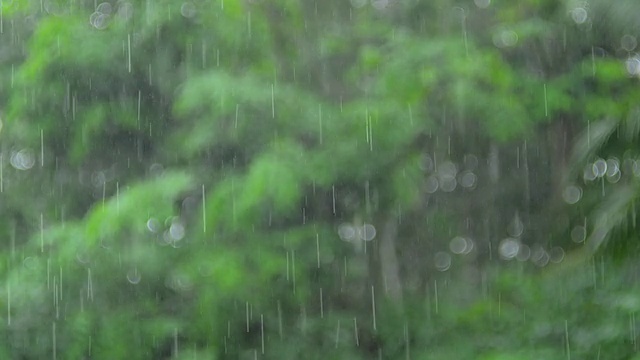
column 330, row 179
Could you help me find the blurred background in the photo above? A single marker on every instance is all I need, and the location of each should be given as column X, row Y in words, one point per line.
column 319, row 179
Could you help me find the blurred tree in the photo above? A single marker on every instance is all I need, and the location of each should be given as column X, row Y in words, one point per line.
column 241, row 178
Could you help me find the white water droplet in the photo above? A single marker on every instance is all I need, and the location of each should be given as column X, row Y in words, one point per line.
column 133, row 276
column 509, row 248
column 347, row 232
column 578, row 234
column 579, row 15
column 368, row 232
column 442, row 261
column 572, row 194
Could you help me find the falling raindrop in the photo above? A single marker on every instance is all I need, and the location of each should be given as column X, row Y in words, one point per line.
column 556, row 254
column 188, row 9
column 578, row 234
column 613, row 166
column 516, row 227
column 426, row 163
column 347, row 232
column 82, row 257
column 442, row 261
column 468, row 180
column 431, row 184
column 579, row 15
column 615, row 177
column 633, row 66
column 458, row 245
column 600, row 167
column 368, row 232
column 448, row 183
column 505, row 38
column 99, row 20
column 628, row 42
column 448, row 168
column 358, row 3
column 572, row 194
column 29, row 262
column 539, row 256
column 176, row 231
column 153, row 225
column 23, row 159
column 133, row 276
column 509, row 248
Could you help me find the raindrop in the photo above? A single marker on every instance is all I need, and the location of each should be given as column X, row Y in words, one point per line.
column 516, row 227
column 578, row 234
column 572, row 194
column 101, row 22
column 133, row 276
column 505, row 38
column 540, row 257
column 458, row 245
column 347, row 232
column 556, row 254
column 442, row 261
column 509, row 248
column 368, row 232
column 426, row 163
column 468, row 179
column 613, row 167
column 628, row 42
column 482, row 4
column 82, row 257
column 358, row 3
column 448, row 183
column 448, row 168
column 579, row 15
column 431, row 184
column 153, row 225
column 188, row 9
column 125, row 10
column 176, row 231
column 23, row 159
column 29, row 262
column 615, row 177
column 633, row 66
